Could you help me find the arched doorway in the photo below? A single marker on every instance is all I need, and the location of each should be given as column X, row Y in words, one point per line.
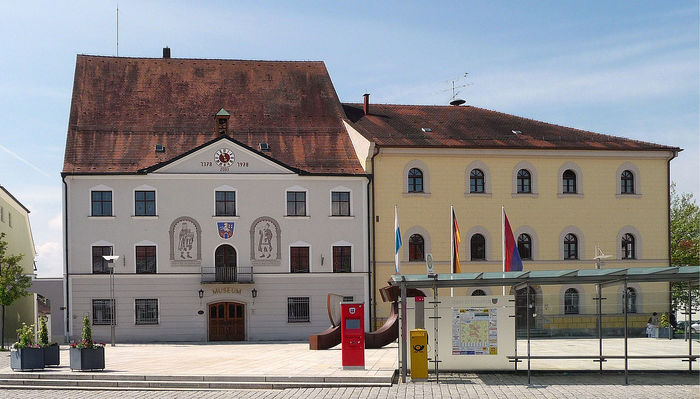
column 226, row 321
column 521, row 302
column 225, row 262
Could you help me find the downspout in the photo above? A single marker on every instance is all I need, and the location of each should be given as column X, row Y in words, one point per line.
column 66, row 273
column 670, row 262
column 374, row 246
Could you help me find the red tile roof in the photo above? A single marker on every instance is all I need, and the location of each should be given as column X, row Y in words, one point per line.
column 472, row 127
column 123, row 107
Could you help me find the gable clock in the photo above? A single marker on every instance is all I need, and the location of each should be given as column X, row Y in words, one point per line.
column 224, row 158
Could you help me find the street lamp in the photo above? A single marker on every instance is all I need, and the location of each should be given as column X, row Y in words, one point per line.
column 111, row 259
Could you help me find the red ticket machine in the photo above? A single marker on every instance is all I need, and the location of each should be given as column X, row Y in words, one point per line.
column 352, row 333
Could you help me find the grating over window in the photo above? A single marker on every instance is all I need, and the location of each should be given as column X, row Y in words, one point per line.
column 99, row 264
column 478, row 293
column 146, row 259
column 146, row 311
column 298, row 310
column 101, row 311
column 342, row 260
column 348, row 299
column 299, row 259
column 571, row 301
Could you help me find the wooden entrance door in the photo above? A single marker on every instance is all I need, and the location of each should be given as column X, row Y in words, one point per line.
column 226, row 321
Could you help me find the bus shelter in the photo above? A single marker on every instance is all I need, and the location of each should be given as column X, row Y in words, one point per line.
column 600, row 278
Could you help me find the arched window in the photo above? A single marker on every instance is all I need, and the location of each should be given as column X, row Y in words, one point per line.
column 225, row 263
column 524, row 181
column 478, row 247
column 478, row 293
column 569, row 181
column 571, row 301
column 570, row 247
column 525, row 246
column 416, row 248
column 630, row 300
column 415, row 181
column 627, row 182
column 476, row 181
column 628, row 246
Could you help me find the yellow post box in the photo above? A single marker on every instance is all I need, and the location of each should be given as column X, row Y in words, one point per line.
column 419, row 354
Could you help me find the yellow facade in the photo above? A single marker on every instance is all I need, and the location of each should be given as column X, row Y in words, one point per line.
column 14, row 222
column 598, row 214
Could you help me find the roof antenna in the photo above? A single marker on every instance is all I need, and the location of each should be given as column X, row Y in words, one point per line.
column 117, row 30
column 455, row 92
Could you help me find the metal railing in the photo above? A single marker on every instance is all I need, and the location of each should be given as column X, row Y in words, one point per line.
column 227, row 274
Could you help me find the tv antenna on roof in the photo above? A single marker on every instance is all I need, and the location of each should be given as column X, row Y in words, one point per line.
column 117, row 30
column 456, row 85
column 599, row 256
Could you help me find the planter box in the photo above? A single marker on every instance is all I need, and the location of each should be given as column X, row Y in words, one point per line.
column 87, row 359
column 51, row 355
column 27, row 359
column 664, row 332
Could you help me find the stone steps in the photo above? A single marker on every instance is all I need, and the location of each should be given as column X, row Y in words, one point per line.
column 147, row 382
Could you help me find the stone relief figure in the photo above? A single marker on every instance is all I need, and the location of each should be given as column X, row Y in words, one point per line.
column 265, row 241
column 185, row 242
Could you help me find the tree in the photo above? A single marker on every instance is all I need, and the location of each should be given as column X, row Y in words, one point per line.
column 685, row 242
column 13, row 282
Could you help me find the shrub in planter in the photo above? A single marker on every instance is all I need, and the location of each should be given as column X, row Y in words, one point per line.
column 51, row 354
column 87, row 354
column 26, row 355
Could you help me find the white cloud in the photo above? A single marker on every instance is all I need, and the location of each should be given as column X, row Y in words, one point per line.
column 56, row 223
column 49, row 261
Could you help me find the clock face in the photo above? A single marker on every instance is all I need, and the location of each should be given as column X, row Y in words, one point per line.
column 224, row 157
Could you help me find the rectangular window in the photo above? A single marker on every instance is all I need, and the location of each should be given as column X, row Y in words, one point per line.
column 296, row 203
column 225, row 203
column 299, row 259
column 2, row 214
column 99, row 264
column 298, row 310
column 101, row 203
column 146, row 259
column 341, row 259
column 102, row 311
column 146, row 311
column 9, row 218
column 340, row 203
column 348, row 299
column 145, row 203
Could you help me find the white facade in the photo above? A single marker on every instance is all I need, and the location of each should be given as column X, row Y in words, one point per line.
column 184, row 231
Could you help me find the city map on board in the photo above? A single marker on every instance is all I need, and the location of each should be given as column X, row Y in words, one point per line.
column 474, row 331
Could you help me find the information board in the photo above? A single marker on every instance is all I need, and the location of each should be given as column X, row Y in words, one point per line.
column 474, row 331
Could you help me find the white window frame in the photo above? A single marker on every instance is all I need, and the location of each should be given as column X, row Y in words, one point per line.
column 143, row 187
column 330, row 202
column 136, row 323
column 101, row 243
column 295, row 244
column 101, row 187
column 146, row 243
column 235, row 191
column 307, row 202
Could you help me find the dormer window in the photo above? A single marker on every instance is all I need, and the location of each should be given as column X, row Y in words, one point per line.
column 222, row 121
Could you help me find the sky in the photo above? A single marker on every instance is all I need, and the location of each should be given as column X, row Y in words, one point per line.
column 624, row 68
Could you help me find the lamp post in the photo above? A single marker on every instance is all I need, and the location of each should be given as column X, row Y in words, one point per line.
column 111, row 259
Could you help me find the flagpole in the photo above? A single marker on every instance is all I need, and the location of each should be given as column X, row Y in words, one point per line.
column 452, row 247
column 503, row 243
column 397, row 244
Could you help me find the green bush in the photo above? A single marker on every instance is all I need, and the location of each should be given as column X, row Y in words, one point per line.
column 25, row 337
column 43, row 332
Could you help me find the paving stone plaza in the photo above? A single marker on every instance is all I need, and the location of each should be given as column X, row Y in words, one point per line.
column 290, row 370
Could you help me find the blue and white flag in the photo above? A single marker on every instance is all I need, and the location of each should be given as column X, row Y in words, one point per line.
column 397, row 241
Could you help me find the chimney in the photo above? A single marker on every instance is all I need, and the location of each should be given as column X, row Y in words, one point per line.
column 366, row 106
column 166, row 52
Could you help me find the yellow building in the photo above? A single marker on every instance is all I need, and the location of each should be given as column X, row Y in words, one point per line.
column 14, row 222
column 565, row 192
